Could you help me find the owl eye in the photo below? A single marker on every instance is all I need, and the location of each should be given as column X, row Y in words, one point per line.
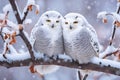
column 57, row 21
column 48, row 20
column 75, row 22
column 66, row 22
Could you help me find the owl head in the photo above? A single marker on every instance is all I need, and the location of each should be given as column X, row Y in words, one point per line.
column 50, row 19
column 73, row 21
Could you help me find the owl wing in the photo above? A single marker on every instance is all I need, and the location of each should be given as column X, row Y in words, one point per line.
column 32, row 35
column 94, row 39
column 84, row 39
column 42, row 42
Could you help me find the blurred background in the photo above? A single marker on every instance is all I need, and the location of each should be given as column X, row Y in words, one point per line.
column 89, row 9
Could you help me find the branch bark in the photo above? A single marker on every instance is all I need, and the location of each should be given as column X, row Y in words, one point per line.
column 20, row 21
column 61, row 62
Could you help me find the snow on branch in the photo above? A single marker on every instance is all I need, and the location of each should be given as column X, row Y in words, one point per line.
column 96, row 64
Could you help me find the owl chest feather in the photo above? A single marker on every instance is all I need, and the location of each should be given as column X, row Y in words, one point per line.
column 49, row 43
column 79, row 46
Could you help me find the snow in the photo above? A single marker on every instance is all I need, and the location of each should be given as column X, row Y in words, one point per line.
column 104, row 14
column 6, row 30
column 89, row 7
column 118, row 4
column 115, row 16
column 15, row 57
column 31, row 2
column 2, row 16
column 11, row 48
column 105, row 62
column 7, row 8
column 37, row 7
column 108, row 50
column 38, row 55
column 27, row 21
column 13, row 26
column 46, row 69
column 65, row 57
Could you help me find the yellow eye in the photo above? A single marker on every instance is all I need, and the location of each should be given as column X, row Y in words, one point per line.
column 66, row 22
column 57, row 21
column 75, row 22
column 48, row 20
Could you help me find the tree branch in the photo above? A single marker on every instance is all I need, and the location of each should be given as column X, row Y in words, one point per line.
column 114, row 28
column 61, row 62
column 25, row 15
column 20, row 21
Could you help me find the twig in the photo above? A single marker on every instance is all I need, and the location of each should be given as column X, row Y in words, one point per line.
column 20, row 21
column 111, row 54
column 1, row 35
column 25, row 15
column 14, row 7
column 114, row 28
column 3, row 25
column 85, row 77
column 79, row 75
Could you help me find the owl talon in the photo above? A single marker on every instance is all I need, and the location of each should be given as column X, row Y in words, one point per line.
column 55, row 57
column 85, row 77
column 45, row 55
column 72, row 60
column 4, row 56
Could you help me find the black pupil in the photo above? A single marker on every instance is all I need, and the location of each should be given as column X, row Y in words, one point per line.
column 57, row 21
column 48, row 20
column 66, row 22
column 75, row 22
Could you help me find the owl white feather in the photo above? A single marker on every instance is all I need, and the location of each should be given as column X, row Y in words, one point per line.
column 80, row 39
column 46, row 37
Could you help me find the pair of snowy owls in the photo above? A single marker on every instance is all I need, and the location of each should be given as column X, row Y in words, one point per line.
column 71, row 35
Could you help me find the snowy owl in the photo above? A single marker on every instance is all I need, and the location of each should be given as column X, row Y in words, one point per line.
column 80, row 39
column 46, row 37
column 47, row 34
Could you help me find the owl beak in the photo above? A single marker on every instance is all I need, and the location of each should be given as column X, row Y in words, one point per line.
column 71, row 27
column 52, row 26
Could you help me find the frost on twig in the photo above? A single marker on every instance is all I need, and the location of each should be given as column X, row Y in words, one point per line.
column 20, row 21
column 7, row 8
column 108, row 51
column 29, row 7
column 116, row 17
column 116, row 24
column 8, row 33
column 111, row 50
column 30, row 4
